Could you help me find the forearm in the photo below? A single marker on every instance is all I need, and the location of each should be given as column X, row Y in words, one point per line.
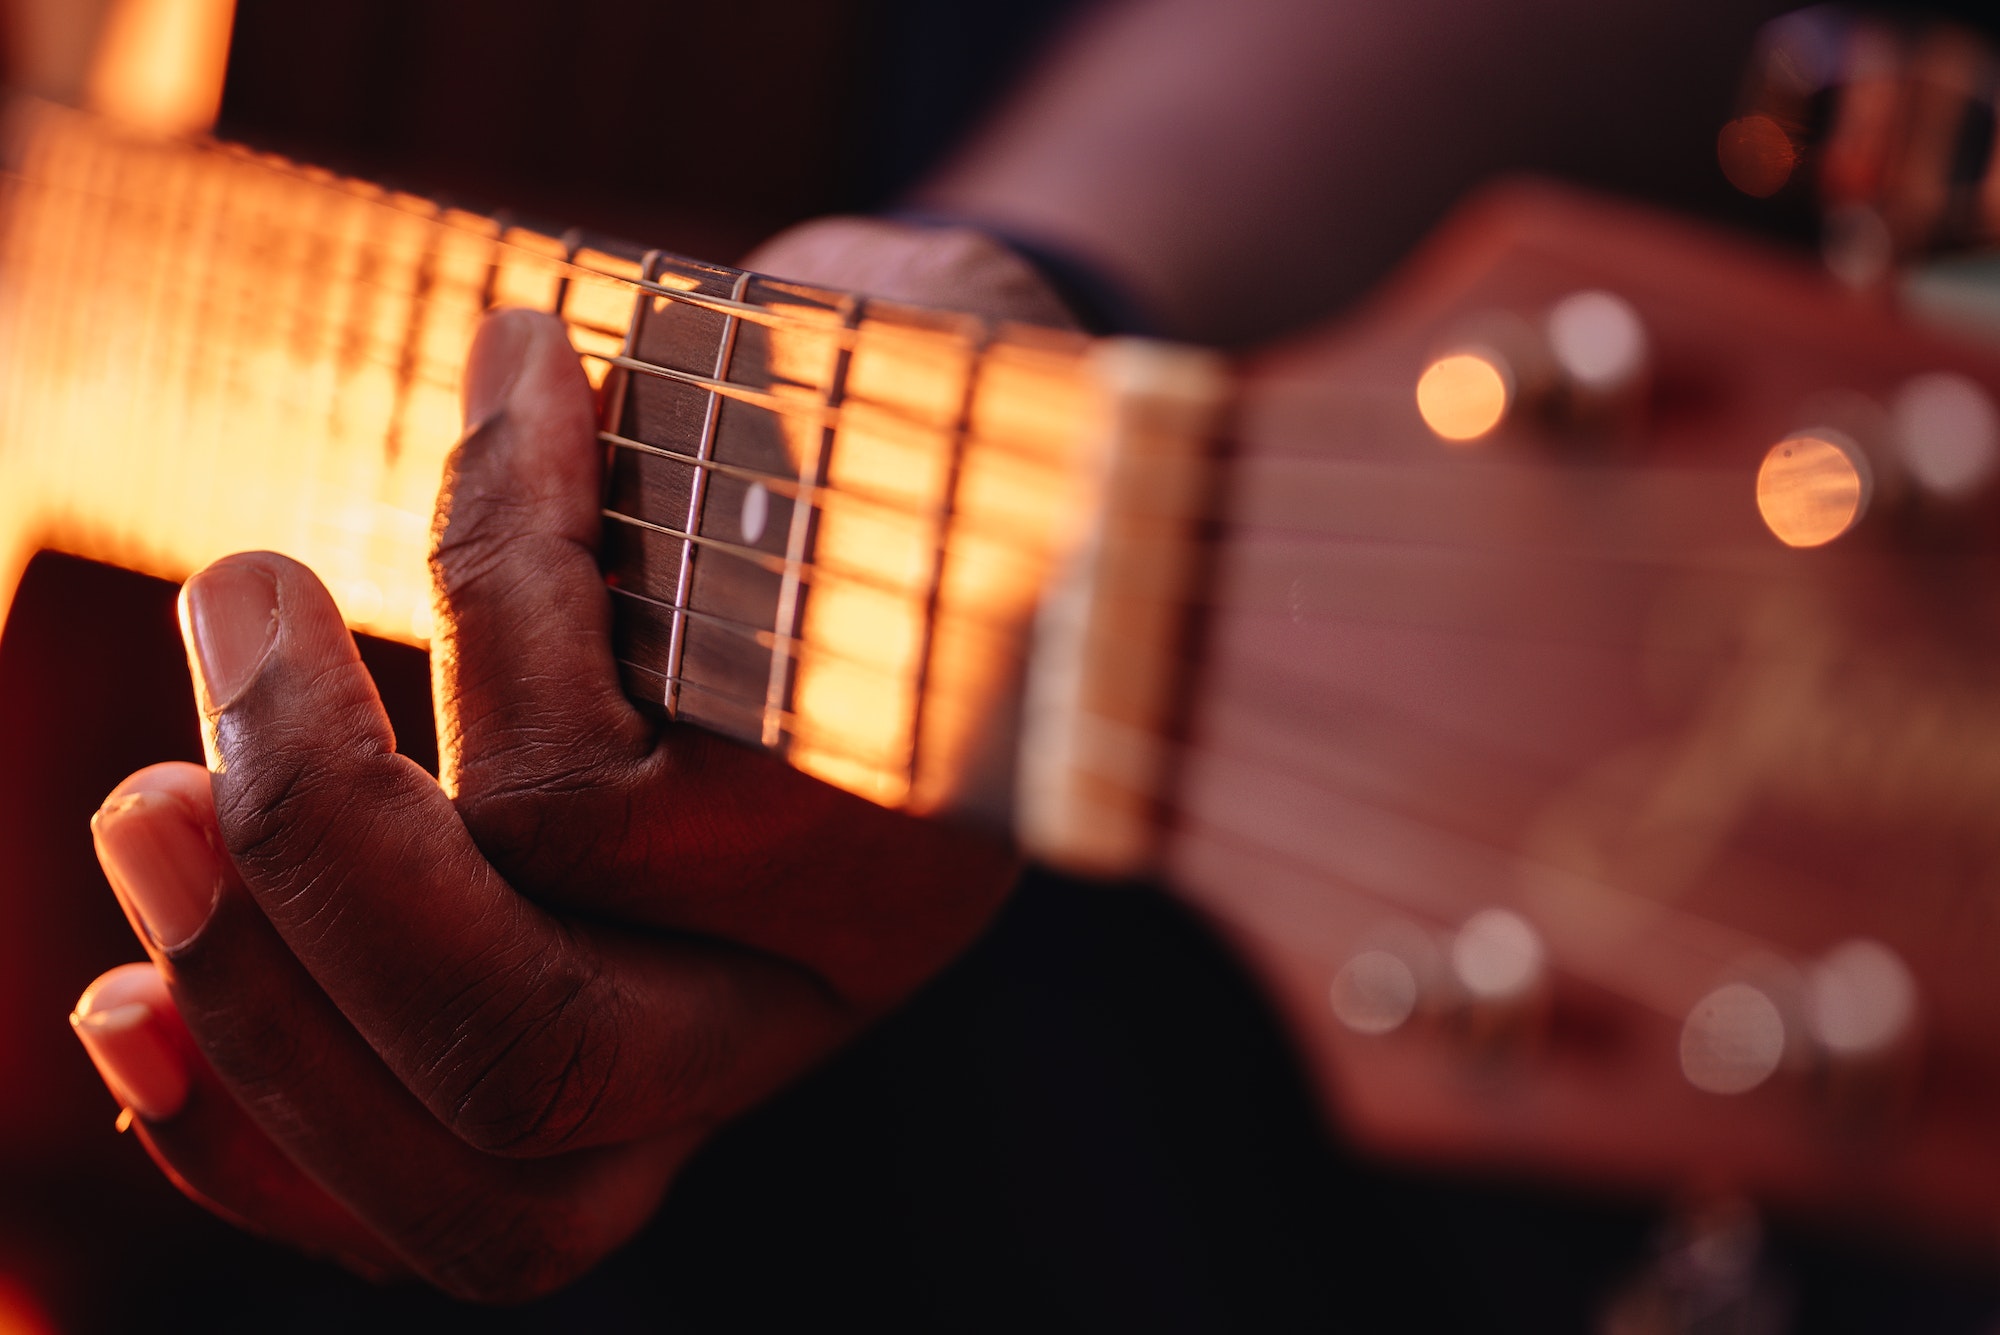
column 1245, row 166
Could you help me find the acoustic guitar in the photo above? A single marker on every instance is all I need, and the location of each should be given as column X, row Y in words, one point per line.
column 1568, row 681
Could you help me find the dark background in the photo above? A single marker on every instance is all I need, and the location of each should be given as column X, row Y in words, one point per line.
column 1089, row 1123
column 699, row 127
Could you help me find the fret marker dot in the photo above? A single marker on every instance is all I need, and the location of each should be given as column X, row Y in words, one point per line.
column 756, row 513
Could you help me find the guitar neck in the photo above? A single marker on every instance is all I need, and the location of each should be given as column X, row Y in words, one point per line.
column 829, row 520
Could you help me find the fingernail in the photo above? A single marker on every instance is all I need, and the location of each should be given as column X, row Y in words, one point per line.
column 494, row 363
column 137, row 1061
column 229, row 619
column 163, row 869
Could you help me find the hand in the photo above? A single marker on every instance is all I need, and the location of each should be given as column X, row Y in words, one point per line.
column 471, row 1027
column 958, row 268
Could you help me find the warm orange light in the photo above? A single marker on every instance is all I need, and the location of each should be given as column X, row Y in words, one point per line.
column 1463, row 396
column 159, row 63
column 20, row 1312
column 1811, row 490
column 202, row 355
column 1756, row 155
column 1021, row 503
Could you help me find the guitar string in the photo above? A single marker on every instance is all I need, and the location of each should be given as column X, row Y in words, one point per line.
column 772, row 478
column 558, row 271
column 363, row 351
column 755, row 312
column 788, row 308
column 1674, row 988
column 1713, row 946
column 775, row 403
column 795, row 646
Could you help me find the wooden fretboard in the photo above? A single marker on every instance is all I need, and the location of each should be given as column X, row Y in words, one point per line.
column 828, row 519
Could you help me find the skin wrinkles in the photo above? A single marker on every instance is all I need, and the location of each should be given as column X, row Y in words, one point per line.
column 528, row 1123
column 510, row 1011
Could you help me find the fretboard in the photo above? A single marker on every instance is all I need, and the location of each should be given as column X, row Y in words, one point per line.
column 829, row 520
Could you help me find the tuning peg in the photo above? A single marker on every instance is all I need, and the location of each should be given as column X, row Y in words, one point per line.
column 1487, row 982
column 1396, row 976
column 1813, row 486
column 1582, row 366
column 1733, row 1039
column 1600, row 345
column 1946, row 433
column 1499, row 968
column 1492, row 364
column 1747, row 1027
column 1862, row 1014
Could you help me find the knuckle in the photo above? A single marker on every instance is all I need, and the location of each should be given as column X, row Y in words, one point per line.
column 527, row 1062
column 290, row 819
column 257, row 1050
column 472, row 537
column 485, row 524
column 539, row 812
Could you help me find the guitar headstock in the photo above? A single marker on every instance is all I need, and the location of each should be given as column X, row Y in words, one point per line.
column 1598, row 739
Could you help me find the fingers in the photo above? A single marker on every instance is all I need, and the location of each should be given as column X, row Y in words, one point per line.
column 558, row 778
column 523, row 1034
column 525, row 681
column 286, row 1058
column 198, row 1134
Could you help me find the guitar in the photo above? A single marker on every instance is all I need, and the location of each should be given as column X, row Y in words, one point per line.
column 1565, row 681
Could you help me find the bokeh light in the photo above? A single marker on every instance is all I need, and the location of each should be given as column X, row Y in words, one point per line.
column 1463, row 396
column 1811, row 489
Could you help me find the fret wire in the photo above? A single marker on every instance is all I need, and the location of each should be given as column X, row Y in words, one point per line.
column 777, row 565
column 845, row 336
column 396, row 283
column 749, row 311
column 792, row 647
column 782, row 484
column 572, row 242
column 945, row 520
column 725, row 351
column 819, row 414
column 488, row 284
column 786, row 485
column 765, row 637
column 347, row 188
column 787, row 622
column 614, row 405
column 319, row 191
column 787, row 722
column 360, row 246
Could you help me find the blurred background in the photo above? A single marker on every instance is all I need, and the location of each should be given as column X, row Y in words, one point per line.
column 1091, row 1121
